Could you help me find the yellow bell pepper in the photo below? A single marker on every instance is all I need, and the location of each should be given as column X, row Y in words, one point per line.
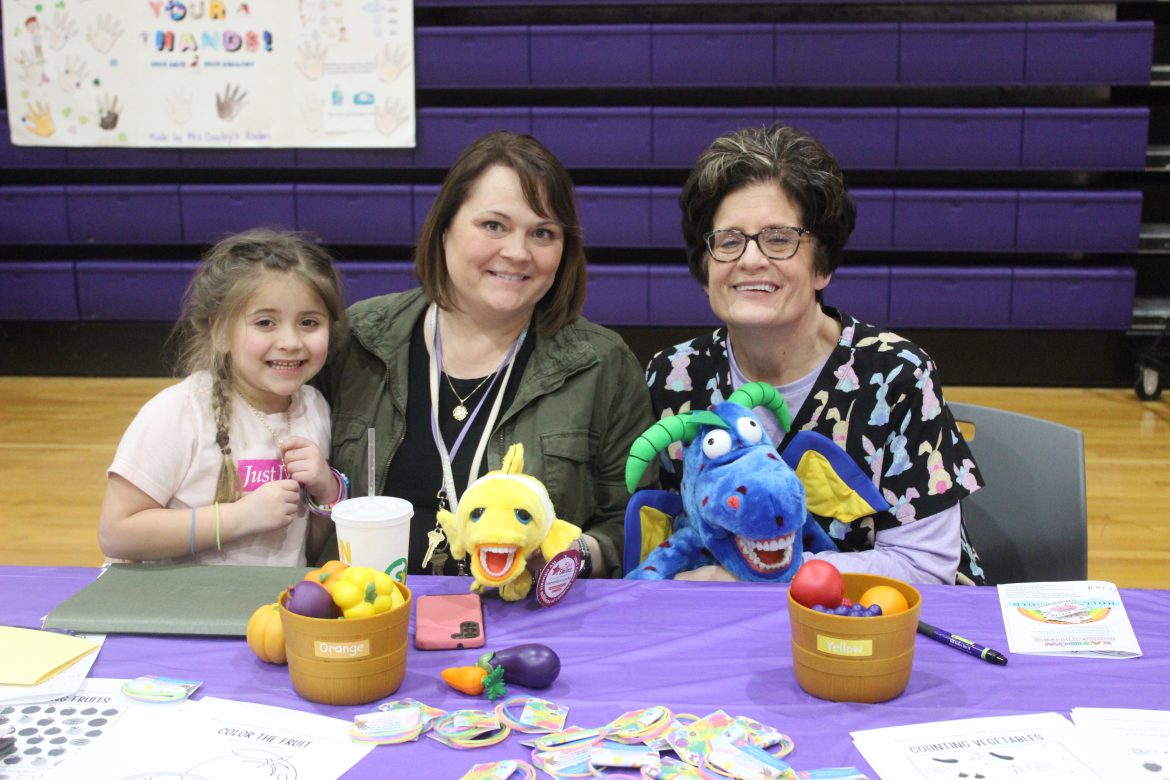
column 362, row 592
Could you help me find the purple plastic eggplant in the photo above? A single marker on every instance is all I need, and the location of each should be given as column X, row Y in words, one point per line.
column 531, row 665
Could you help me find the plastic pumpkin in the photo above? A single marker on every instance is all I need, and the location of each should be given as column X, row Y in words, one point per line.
column 265, row 634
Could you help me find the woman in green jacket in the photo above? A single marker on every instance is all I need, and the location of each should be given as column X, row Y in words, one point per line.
column 492, row 351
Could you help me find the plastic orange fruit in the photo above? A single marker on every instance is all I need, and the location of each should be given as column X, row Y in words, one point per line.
column 890, row 599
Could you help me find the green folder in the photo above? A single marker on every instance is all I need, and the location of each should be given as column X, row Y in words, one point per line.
column 173, row 599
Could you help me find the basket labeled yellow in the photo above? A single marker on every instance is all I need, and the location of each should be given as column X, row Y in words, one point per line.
column 350, row 660
column 862, row 659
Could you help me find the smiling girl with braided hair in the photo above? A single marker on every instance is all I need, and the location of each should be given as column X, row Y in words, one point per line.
column 224, row 467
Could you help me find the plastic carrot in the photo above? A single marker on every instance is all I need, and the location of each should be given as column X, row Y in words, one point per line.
column 475, row 680
column 465, row 679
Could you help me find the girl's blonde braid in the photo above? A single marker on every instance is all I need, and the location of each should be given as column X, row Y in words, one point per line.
column 227, row 486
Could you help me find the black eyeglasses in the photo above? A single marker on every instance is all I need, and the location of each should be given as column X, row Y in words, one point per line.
column 776, row 243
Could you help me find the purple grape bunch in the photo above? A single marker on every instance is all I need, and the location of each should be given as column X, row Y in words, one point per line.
column 852, row 610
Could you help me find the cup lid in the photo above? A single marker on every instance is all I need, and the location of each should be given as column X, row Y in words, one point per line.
column 373, row 508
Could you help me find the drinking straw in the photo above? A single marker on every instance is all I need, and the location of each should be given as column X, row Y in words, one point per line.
column 370, row 456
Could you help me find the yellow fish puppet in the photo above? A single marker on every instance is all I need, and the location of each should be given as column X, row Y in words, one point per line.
column 502, row 519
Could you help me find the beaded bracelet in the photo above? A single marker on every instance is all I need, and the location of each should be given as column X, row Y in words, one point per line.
column 325, row 510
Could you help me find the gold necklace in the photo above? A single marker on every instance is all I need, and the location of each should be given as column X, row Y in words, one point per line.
column 264, row 421
column 460, row 411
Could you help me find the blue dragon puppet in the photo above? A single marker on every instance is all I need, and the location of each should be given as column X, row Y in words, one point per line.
column 742, row 505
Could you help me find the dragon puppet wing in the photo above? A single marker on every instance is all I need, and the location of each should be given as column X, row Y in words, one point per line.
column 502, row 519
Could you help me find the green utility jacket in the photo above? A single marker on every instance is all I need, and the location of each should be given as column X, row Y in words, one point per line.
column 581, row 403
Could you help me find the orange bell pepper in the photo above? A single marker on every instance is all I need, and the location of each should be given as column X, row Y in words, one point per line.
column 328, row 575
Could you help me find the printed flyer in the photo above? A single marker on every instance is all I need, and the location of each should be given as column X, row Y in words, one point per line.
column 1081, row 618
column 210, row 73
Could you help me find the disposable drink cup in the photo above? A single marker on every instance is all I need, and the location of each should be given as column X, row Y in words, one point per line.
column 374, row 531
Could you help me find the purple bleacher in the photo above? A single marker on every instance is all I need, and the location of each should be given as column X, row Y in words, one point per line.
column 863, row 291
column 962, row 53
column 38, row 290
column 13, row 156
column 1086, row 138
column 132, row 290
column 858, row 137
column 849, row 54
column 356, row 159
column 367, row 280
column 239, row 158
column 614, row 55
column 471, row 56
column 681, row 134
column 874, row 230
column 955, row 220
column 596, row 137
column 676, row 298
column 688, row 55
column 1079, row 221
column 423, row 196
column 356, row 213
column 665, row 218
column 443, row 133
column 211, row 211
column 1073, row 298
column 124, row 214
column 959, row 138
column 33, row 215
column 933, row 297
column 615, row 216
column 118, row 157
column 618, row 295
column 1089, row 52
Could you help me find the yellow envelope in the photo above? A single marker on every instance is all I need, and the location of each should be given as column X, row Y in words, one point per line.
column 31, row 657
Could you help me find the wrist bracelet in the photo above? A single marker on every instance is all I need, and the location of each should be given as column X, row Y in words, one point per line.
column 325, row 510
column 586, row 558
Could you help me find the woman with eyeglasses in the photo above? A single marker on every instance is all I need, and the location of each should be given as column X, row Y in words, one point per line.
column 766, row 216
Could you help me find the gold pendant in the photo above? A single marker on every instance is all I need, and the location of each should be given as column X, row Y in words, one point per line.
column 459, row 412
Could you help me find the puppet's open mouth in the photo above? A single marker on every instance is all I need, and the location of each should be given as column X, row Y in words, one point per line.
column 496, row 560
column 767, row 555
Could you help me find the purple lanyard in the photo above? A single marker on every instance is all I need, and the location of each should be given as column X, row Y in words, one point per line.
column 467, row 425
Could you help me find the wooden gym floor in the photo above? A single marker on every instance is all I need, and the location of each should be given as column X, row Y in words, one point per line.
column 58, row 435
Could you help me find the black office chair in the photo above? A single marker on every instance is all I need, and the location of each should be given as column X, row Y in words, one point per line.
column 1030, row 522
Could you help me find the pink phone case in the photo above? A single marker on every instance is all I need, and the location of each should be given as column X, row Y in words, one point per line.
column 448, row 622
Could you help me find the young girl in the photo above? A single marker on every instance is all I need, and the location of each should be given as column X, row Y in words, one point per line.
column 224, row 467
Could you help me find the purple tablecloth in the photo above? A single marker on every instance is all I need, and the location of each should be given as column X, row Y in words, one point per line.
column 692, row 647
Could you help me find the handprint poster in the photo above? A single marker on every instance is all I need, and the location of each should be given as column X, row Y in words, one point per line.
column 210, row 73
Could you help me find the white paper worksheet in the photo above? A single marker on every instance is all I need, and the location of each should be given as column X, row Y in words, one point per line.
column 221, row 739
column 1140, row 739
column 1045, row 746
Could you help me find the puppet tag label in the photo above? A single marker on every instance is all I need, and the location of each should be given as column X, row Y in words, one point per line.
column 557, row 576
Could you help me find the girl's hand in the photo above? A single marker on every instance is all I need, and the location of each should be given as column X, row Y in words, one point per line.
column 308, row 467
column 270, row 507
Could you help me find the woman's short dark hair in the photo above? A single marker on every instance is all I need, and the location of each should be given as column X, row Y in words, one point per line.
column 549, row 191
column 798, row 163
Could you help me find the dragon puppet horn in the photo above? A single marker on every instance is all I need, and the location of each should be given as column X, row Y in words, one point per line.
column 685, row 426
column 763, row 394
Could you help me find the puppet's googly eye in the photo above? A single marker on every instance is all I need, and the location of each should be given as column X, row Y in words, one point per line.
column 524, row 516
column 716, row 443
column 749, row 430
column 477, row 513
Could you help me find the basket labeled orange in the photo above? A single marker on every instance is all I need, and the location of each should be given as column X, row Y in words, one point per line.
column 861, row 659
column 347, row 660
